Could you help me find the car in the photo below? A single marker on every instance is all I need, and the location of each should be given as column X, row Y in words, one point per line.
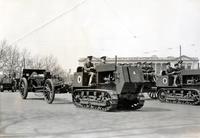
column 7, row 83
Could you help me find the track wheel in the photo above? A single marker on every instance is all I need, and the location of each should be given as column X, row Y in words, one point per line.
column 24, row 88
column 162, row 95
column 49, row 92
column 152, row 95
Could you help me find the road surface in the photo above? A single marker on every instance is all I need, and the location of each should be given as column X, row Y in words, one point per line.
column 34, row 118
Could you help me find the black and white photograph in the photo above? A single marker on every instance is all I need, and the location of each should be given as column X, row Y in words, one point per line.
column 99, row 69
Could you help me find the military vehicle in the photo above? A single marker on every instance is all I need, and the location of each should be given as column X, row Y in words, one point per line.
column 39, row 80
column 7, row 83
column 186, row 90
column 116, row 86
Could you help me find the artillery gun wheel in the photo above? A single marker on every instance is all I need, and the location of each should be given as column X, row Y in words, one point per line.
column 162, row 95
column 24, row 88
column 49, row 92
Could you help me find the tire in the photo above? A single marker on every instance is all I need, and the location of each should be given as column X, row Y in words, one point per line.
column 49, row 91
column 24, row 88
column 162, row 95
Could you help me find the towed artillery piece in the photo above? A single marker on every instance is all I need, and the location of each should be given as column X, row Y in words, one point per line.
column 116, row 86
column 186, row 90
column 38, row 80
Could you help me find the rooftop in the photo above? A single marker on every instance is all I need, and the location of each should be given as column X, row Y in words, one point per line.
column 152, row 58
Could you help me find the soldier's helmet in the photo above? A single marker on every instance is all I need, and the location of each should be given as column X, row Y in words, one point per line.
column 103, row 57
column 168, row 63
column 89, row 57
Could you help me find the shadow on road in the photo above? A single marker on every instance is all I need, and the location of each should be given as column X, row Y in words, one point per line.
column 62, row 102
column 56, row 100
column 144, row 109
column 154, row 109
column 35, row 99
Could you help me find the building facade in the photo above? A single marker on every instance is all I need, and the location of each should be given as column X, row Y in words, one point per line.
column 157, row 62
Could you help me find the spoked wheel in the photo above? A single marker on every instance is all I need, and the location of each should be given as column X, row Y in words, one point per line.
column 162, row 95
column 196, row 97
column 49, row 92
column 24, row 88
column 152, row 95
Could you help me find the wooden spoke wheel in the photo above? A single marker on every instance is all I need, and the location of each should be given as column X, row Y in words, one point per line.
column 49, row 92
column 24, row 88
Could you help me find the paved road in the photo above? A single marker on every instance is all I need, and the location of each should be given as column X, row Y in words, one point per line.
column 34, row 118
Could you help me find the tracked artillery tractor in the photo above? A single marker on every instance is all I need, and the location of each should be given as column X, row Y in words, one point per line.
column 186, row 90
column 38, row 80
column 115, row 86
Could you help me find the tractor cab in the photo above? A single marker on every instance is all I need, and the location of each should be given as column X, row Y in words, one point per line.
column 104, row 74
column 185, row 77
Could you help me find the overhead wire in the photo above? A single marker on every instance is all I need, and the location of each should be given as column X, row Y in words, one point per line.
column 48, row 22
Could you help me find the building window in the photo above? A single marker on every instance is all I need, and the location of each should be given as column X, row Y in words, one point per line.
column 189, row 66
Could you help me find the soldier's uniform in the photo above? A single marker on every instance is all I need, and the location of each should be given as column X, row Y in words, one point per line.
column 89, row 68
column 177, row 69
column 144, row 70
column 170, row 72
column 138, row 65
column 151, row 71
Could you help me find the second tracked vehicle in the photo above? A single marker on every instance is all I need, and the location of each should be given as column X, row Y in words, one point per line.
column 186, row 90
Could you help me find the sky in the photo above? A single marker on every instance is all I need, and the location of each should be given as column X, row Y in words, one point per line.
column 125, row 28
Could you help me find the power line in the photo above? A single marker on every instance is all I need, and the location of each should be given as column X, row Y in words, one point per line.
column 48, row 22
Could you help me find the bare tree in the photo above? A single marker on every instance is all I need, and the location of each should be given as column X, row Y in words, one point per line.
column 12, row 60
column 3, row 54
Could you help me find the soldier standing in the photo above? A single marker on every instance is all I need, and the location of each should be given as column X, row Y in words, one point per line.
column 144, row 70
column 151, row 72
column 170, row 72
column 178, row 67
